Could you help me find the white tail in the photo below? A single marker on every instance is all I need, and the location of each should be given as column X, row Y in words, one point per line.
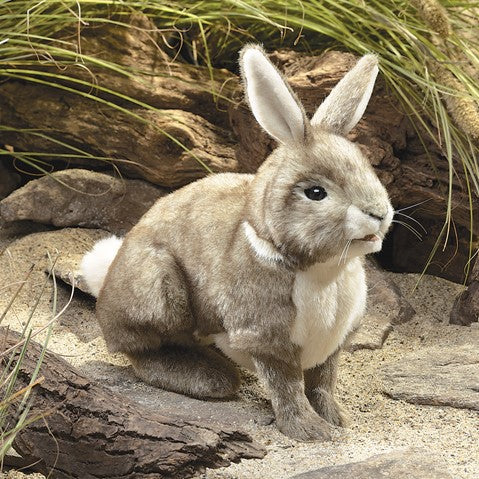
column 96, row 262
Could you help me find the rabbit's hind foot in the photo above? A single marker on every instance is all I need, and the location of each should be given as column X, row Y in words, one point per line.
column 193, row 370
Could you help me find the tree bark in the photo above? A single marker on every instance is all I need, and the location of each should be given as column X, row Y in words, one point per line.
column 90, row 432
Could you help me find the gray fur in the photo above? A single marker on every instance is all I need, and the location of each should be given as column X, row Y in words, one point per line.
column 187, row 270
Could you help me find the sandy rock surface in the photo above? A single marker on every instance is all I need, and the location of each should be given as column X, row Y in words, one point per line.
column 80, row 197
column 408, row 464
column 447, row 376
column 378, row 423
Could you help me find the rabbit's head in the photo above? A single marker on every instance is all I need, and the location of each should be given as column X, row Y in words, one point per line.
column 316, row 196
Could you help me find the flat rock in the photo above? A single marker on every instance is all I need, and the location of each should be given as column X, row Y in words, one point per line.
column 79, row 197
column 371, row 334
column 447, row 376
column 385, row 297
column 409, row 464
column 386, row 307
column 236, row 411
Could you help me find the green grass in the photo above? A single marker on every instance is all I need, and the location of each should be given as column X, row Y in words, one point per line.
column 434, row 75
column 16, row 401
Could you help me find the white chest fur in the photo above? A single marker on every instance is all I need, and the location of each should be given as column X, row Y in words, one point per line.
column 329, row 300
column 329, row 303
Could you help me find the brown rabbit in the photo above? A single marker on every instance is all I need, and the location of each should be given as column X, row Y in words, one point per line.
column 266, row 266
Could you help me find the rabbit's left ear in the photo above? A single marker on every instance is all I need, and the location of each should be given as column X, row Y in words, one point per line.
column 272, row 102
column 346, row 103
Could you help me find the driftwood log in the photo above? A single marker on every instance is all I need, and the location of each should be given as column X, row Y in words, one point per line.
column 140, row 144
column 90, row 432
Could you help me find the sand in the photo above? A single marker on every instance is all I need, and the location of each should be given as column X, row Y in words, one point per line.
column 377, row 423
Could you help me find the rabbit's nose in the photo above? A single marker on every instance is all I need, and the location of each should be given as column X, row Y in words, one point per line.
column 374, row 215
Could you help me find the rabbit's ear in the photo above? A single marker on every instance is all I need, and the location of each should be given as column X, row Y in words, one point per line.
column 271, row 100
column 345, row 105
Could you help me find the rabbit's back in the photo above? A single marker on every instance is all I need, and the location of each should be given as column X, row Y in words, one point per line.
column 201, row 227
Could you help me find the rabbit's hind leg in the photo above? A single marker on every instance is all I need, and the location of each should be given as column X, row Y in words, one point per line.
column 192, row 369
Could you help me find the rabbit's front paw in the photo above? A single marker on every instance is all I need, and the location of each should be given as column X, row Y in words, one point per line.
column 327, row 407
column 305, row 427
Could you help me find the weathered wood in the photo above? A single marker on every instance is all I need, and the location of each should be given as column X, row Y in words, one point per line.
column 156, row 77
column 95, row 433
column 143, row 141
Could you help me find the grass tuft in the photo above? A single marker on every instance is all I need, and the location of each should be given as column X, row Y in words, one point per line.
column 16, row 402
column 429, row 53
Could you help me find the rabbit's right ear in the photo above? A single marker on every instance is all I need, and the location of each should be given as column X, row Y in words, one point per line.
column 272, row 102
column 346, row 103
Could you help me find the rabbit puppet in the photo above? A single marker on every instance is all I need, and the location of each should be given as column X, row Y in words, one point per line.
column 268, row 267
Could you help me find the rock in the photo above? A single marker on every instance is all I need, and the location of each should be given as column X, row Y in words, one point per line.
column 436, row 376
column 371, row 334
column 9, row 180
column 235, row 412
column 81, row 198
column 466, row 306
column 384, row 296
column 408, row 464
column 386, row 307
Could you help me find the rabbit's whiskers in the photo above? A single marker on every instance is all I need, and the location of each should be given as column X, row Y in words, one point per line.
column 410, row 228
column 412, row 206
column 344, row 253
column 413, row 219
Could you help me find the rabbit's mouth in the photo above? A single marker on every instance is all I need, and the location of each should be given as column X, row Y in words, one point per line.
column 372, row 237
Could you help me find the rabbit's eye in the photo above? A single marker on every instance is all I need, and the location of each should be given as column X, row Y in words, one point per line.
column 315, row 193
